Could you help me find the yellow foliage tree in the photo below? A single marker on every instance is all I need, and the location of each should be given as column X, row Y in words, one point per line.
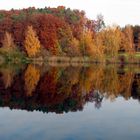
column 99, row 43
column 8, row 42
column 74, row 49
column 86, row 43
column 112, row 40
column 128, row 40
column 32, row 44
column 9, row 49
column 89, row 46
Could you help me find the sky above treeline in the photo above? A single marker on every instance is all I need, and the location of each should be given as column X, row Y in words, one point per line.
column 120, row 12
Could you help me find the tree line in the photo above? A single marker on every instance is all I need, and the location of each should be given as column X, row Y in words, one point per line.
column 64, row 32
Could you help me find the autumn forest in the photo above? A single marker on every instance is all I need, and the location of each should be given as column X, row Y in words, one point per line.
column 42, row 33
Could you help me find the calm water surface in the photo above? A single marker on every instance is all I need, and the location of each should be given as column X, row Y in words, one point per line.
column 39, row 102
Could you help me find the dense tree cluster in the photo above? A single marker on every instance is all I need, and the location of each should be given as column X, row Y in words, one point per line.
column 57, row 28
column 62, row 31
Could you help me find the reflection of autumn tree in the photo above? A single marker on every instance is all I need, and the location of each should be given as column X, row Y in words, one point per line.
column 100, row 78
column 136, row 87
column 32, row 76
column 53, row 87
column 9, row 72
column 98, row 75
column 7, row 76
column 69, row 78
column 48, row 81
column 74, row 75
column 110, row 82
column 125, row 84
column 86, row 80
column 67, row 89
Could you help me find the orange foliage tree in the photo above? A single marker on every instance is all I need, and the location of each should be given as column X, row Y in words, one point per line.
column 32, row 44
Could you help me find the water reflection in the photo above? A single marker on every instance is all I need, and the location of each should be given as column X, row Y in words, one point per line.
column 64, row 89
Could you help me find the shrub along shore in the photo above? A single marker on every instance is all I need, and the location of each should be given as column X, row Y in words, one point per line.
column 66, row 60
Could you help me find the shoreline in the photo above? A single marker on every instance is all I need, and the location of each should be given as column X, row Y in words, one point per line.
column 69, row 60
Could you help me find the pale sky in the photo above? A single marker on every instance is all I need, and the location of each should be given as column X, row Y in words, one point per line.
column 114, row 11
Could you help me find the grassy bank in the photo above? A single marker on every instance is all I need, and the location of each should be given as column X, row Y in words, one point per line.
column 122, row 58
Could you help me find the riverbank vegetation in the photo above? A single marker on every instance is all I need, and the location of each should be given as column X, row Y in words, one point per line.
column 51, row 33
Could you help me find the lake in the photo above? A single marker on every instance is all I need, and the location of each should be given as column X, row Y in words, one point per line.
column 96, row 102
